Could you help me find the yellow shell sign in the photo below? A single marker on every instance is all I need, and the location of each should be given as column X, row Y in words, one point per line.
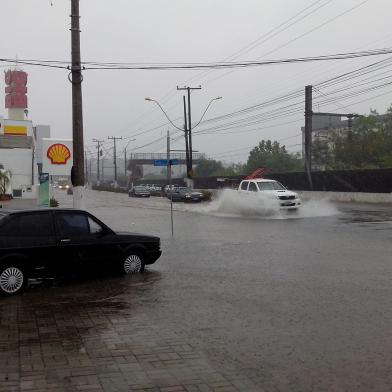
column 15, row 130
column 58, row 154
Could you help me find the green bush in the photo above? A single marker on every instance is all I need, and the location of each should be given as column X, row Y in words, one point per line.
column 53, row 202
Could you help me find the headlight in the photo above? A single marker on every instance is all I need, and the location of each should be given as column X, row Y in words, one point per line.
column 187, row 195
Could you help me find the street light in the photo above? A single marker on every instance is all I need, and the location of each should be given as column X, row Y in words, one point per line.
column 205, row 111
column 163, row 111
column 188, row 129
column 125, row 155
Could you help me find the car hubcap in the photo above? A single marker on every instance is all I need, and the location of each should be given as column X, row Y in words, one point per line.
column 132, row 264
column 11, row 280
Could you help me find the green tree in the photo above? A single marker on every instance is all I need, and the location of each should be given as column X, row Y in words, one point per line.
column 234, row 169
column 5, row 180
column 368, row 145
column 207, row 167
column 273, row 156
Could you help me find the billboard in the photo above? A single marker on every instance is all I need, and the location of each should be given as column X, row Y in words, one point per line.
column 16, row 127
column 15, row 90
column 57, row 157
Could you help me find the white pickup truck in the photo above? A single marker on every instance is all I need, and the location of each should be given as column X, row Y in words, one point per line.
column 288, row 200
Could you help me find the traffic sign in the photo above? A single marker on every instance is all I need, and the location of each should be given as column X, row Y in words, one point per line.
column 160, row 162
column 163, row 162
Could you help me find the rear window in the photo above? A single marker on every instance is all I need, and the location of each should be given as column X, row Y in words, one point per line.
column 28, row 225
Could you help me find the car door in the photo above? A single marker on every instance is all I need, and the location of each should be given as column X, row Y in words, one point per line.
column 32, row 235
column 84, row 242
column 73, row 240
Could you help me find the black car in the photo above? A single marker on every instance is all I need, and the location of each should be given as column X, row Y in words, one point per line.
column 186, row 195
column 43, row 243
column 139, row 191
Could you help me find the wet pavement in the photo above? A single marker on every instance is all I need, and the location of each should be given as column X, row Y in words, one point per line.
column 237, row 302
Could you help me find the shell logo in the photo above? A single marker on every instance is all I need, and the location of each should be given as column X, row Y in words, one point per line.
column 58, row 154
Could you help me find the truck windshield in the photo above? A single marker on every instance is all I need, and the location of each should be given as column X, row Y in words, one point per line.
column 271, row 186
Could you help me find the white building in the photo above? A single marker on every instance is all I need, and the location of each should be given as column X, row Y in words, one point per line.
column 19, row 140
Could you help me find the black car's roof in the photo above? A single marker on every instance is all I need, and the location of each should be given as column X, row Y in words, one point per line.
column 4, row 211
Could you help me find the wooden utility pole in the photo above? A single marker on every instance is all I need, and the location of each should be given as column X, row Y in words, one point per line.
column 189, row 89
column 114, row 138
column 169, row 180
column 308, row 134
column 188, row 167
column 98, row 156
column 76, row 79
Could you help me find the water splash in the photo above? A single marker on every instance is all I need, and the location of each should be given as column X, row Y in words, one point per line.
column 231, row 203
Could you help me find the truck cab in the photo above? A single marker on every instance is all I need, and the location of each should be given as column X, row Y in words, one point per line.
column 288, row 200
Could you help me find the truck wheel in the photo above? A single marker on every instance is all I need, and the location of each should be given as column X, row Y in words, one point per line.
column 13, row 279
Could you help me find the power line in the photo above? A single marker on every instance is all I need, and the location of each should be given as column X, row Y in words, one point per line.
column 179, row 66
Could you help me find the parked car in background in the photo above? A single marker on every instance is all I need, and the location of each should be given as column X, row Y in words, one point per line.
column 168, row 188
column 139, row 191
column 288, row 200
column 186, row 195
column 43, row 243
column 155, row 190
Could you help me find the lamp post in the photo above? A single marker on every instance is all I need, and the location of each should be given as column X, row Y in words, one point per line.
column 125, row 156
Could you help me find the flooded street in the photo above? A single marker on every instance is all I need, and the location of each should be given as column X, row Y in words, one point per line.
column 239, row 301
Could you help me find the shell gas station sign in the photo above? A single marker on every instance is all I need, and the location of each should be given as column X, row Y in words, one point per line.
column 15, row 127
column 57, row 159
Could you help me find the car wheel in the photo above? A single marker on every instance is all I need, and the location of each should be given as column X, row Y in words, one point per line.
column 12, row 279
column 133, row 263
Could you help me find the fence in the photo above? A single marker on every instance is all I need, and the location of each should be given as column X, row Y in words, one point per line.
column 372, row 181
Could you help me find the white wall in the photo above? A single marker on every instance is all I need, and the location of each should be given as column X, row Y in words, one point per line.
column 18, row 162
column 41, row 132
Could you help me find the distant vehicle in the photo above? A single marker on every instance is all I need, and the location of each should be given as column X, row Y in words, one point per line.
column 63, row 184
column 139, row 191
column 186, row 195
column 168, row 188
column 155, row 190
column 43, row 243
column 287, row 200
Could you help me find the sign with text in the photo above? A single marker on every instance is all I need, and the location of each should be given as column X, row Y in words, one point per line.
column 163, row 162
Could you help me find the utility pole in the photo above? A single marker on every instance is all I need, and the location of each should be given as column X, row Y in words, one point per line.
column 86, row 166
column 125, row 162
column 169, row 180
column 76, row 79
column 308, row 134
column 186, row 137
column 103, row 169
column 89, row 170
column 189, row 89
column 114, row 138
column 98, row 155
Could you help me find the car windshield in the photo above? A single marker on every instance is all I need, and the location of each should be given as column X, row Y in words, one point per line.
column 270, row 186
column 140, row 188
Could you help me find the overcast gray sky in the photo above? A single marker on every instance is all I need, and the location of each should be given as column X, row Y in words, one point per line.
column 194, row 31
